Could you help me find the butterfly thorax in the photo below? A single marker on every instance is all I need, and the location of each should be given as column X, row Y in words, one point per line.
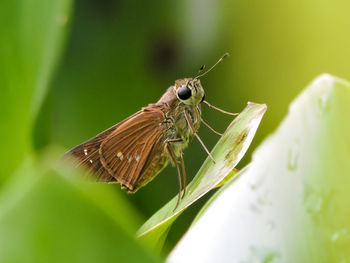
column 176, row 125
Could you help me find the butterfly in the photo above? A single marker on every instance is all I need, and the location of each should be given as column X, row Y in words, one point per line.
column 137, row 149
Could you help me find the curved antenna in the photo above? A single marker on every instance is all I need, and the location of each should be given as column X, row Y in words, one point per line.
column 220, row 59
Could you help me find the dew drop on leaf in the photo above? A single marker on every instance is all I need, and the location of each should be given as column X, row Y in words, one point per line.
column 293, row 157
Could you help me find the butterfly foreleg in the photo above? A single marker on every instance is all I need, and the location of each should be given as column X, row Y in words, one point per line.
column 190, row 124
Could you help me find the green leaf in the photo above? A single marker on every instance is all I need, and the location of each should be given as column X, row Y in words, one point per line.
column 227, row 153
column 228, row 177
column 47, row 215
column 291, row 203
column 32, row 34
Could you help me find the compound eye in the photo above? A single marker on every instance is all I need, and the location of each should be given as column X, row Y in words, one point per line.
column 184, row 92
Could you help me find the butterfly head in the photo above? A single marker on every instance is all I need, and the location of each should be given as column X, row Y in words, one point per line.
column 189, row 91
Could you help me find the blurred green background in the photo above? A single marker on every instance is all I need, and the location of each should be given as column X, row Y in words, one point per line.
column 122, row 55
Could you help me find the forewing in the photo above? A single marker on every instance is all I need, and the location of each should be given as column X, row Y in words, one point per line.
column 87, row 153
column 134, row 146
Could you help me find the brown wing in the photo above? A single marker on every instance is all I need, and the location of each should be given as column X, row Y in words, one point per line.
column 87, row 153
column 131, row 151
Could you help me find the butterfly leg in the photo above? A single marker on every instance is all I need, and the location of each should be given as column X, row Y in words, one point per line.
column 218, row 109
column 189, row 122
column 183, row 173
column 173, row 157
column 211, row 128
column 206, row 124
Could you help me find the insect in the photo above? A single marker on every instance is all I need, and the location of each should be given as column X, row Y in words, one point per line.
column 135, row 150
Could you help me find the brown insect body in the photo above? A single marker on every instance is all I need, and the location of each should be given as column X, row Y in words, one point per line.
column 135, row 150
column 138, row 148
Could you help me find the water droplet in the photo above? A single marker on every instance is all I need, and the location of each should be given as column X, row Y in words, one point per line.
column 260, row 201
column 293, row 157
column 263, row 199
column 323, row 82
column 338, row 234
column 313, row 202
column 335, row 236
column 322, row 101
column 256, row 183
column 253, row 187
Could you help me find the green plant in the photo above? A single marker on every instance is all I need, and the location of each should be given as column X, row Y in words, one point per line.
column 227, row 153
column 288, row 205
column 48, row 214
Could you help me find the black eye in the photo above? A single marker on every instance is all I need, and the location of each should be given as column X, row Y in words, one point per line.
column 184, row 92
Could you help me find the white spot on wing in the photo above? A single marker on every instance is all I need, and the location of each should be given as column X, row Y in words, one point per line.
column 136, row 157
column 85, row 151
column 90, row 161
column 129, row 158
column 120, row 156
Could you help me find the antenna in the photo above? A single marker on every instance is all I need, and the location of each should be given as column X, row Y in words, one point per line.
column 220, row 59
